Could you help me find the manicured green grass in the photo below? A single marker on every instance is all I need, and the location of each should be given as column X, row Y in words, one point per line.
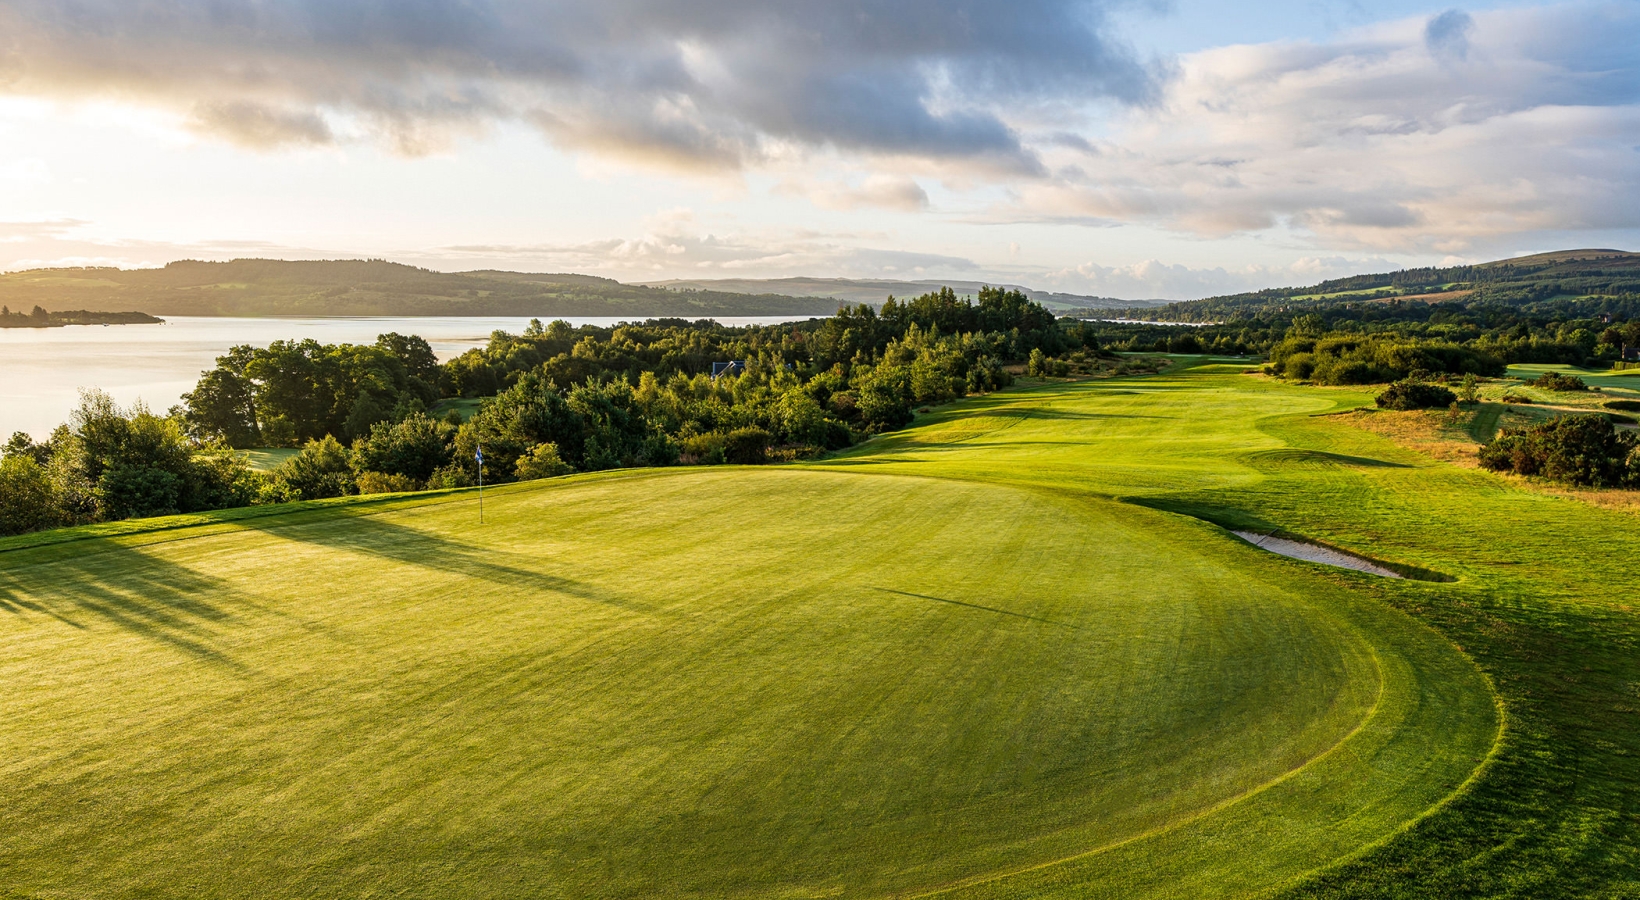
column 710, row 683
column 1002, row 654
column 467, row 406
column 266, row 459
column 1623, row 381
column 1543, row 599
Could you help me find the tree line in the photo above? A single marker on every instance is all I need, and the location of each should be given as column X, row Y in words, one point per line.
column 1380, row 341
column 551, row 400
column 39, row 317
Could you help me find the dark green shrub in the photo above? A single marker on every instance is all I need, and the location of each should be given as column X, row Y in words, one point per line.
column 747, row 446
column 542, row 461
column 26, row 496
column 702, row 449
column 322, row 468
column 1372, row 359
column 413, row 448
column 1584, row 450
column 1554, row 381
column 1404, row 395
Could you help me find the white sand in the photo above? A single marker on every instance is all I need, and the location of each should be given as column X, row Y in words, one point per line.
column 1313, row 553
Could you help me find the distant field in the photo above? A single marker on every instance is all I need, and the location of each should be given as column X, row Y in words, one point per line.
column 1624, row 380
column 1006, row 653
column 468, row 407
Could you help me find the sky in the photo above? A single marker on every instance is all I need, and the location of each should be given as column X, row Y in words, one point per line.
column 1113, row 147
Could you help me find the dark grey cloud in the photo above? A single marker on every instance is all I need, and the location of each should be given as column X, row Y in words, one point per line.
column 703, row 82
column 1447, row 35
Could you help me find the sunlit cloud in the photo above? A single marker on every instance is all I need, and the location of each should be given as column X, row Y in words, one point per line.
column 675, row 244
column 1435, row 135
column 708, row 84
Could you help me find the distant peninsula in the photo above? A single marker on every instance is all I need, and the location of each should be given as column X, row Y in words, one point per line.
column 39, row 318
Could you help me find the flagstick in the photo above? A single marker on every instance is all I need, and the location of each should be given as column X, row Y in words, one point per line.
column 481, row 484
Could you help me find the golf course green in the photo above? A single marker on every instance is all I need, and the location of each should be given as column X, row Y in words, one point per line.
column 1011, row 651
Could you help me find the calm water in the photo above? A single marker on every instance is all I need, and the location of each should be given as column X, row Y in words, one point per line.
column 43, row 369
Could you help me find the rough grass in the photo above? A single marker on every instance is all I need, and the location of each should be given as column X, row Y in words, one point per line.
column 1002, row 654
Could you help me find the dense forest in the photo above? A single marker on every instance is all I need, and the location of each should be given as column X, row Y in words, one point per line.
column 1581, row 308
column 265, row 287
column 551, row 400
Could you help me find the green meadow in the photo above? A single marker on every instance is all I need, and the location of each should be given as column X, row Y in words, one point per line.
column 1011, row 651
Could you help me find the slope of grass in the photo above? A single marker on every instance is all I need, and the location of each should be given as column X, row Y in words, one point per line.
column 1621, row 381
column 709, row 683
column 266, row 459
column 1006, row 653
column 1543, row 599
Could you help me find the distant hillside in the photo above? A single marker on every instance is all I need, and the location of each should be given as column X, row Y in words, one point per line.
column 1584, row 281
column 875, row 292
column 263, row 287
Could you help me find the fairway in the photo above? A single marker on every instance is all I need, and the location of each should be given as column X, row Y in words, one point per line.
column 846, row 679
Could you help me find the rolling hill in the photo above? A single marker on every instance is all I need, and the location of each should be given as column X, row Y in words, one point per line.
column 1518, row 282
column 1009, row 652
column 873, row 291
column 262, row 287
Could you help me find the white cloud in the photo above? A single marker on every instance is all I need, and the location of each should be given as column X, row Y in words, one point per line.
column 882, row 191
column 1423, row 136
column 675, row 245
column 1156, row 280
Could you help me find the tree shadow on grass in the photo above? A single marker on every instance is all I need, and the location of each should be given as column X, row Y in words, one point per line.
column 1048, row 412
column 989, row 609
column 374, row 536
column 131, row 590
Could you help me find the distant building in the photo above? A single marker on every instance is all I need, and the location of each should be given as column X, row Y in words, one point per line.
column 732, row 367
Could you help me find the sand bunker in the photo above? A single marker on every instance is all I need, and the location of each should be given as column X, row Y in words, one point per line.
column 1314, row 553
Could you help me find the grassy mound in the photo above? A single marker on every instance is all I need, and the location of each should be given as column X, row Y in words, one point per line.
column 711, row 683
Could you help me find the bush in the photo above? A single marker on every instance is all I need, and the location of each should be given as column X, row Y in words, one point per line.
column 386, row 483
column 542, row 461
column 747, row 446
column 1512, row 397
column 1470, row 392
column 702, row 449
column 1585, row 450
column 885, row 399
column 1358, row 359
column 1404, row 395
column 1554, row 381
column 27, row 502
column 322, row 468
column 453, row 475
column 415, row 448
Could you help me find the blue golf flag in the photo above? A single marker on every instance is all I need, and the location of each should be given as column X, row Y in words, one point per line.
column 479, row 455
